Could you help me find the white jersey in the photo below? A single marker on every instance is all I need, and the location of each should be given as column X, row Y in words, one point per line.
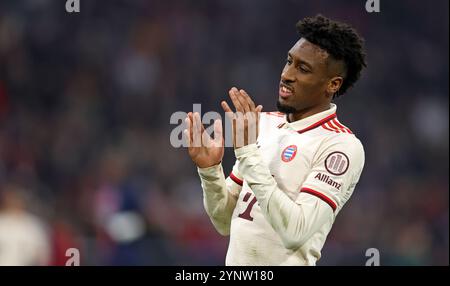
column 289, row 188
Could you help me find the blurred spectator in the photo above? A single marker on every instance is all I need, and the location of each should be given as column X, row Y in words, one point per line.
column 24, row 237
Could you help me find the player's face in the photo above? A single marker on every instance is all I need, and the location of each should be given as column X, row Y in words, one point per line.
column 304, row 79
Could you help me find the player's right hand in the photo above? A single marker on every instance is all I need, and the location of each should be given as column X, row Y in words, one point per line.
column 204, row 150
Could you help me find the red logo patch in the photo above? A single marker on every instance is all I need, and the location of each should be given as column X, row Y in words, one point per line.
column 289, row 153
column 337, row 163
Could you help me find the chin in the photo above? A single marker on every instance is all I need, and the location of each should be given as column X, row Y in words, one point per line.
column 284, row 108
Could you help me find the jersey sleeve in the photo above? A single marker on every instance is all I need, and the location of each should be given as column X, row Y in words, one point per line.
column 234, row 180
column 335, row 172
column 220, row 195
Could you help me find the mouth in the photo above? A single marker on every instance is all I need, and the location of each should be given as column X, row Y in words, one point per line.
column 285, row 91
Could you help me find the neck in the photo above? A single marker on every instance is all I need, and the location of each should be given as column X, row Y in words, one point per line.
column 302, row 114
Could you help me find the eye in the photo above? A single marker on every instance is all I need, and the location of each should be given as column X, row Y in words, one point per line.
column 303, row 70
column 289, row 61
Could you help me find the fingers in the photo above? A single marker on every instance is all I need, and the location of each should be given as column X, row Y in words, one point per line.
column 218, row 133
column 246, row 112
column 241, row 100
column 235, row 99
column 229, row 113
column 245, row 107
column 197, row 130
column 258, row 113
column 187, row 131
column 249, row 101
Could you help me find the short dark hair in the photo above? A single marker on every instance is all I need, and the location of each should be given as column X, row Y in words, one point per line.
column 341, row 41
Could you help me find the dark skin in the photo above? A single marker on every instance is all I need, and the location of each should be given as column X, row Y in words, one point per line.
column 313, row 76
column 310, row 73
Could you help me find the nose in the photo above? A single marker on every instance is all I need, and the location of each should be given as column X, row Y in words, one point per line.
column 287, row 76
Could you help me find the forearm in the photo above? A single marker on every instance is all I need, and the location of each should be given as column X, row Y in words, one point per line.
column 295, row 223
column 219, row 203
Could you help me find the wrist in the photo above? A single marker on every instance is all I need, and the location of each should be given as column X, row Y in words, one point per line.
column 208, row 165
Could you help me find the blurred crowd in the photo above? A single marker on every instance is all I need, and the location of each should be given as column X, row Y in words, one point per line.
column 85, row 102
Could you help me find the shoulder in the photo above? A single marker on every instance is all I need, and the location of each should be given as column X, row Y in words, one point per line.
column 336, row 133
column 345, row 145
column 334, row 126
column 342, row 141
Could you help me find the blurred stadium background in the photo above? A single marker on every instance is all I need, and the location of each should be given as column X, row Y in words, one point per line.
column 85, row 102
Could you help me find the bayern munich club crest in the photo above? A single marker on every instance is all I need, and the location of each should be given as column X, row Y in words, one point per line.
column 337, row 163
column 289, row 153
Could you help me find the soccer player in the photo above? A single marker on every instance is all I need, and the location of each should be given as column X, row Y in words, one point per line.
column 288, row 184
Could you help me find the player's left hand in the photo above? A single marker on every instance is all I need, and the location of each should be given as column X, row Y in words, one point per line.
column 246, row 118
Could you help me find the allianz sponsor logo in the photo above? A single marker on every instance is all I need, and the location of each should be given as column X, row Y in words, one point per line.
column 326, row 179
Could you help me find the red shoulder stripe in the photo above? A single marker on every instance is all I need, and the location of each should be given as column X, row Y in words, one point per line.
column 327, row 128
column 317, row 124
column 338, row 124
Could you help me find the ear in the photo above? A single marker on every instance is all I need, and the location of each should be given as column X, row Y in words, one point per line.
column 334, row 84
